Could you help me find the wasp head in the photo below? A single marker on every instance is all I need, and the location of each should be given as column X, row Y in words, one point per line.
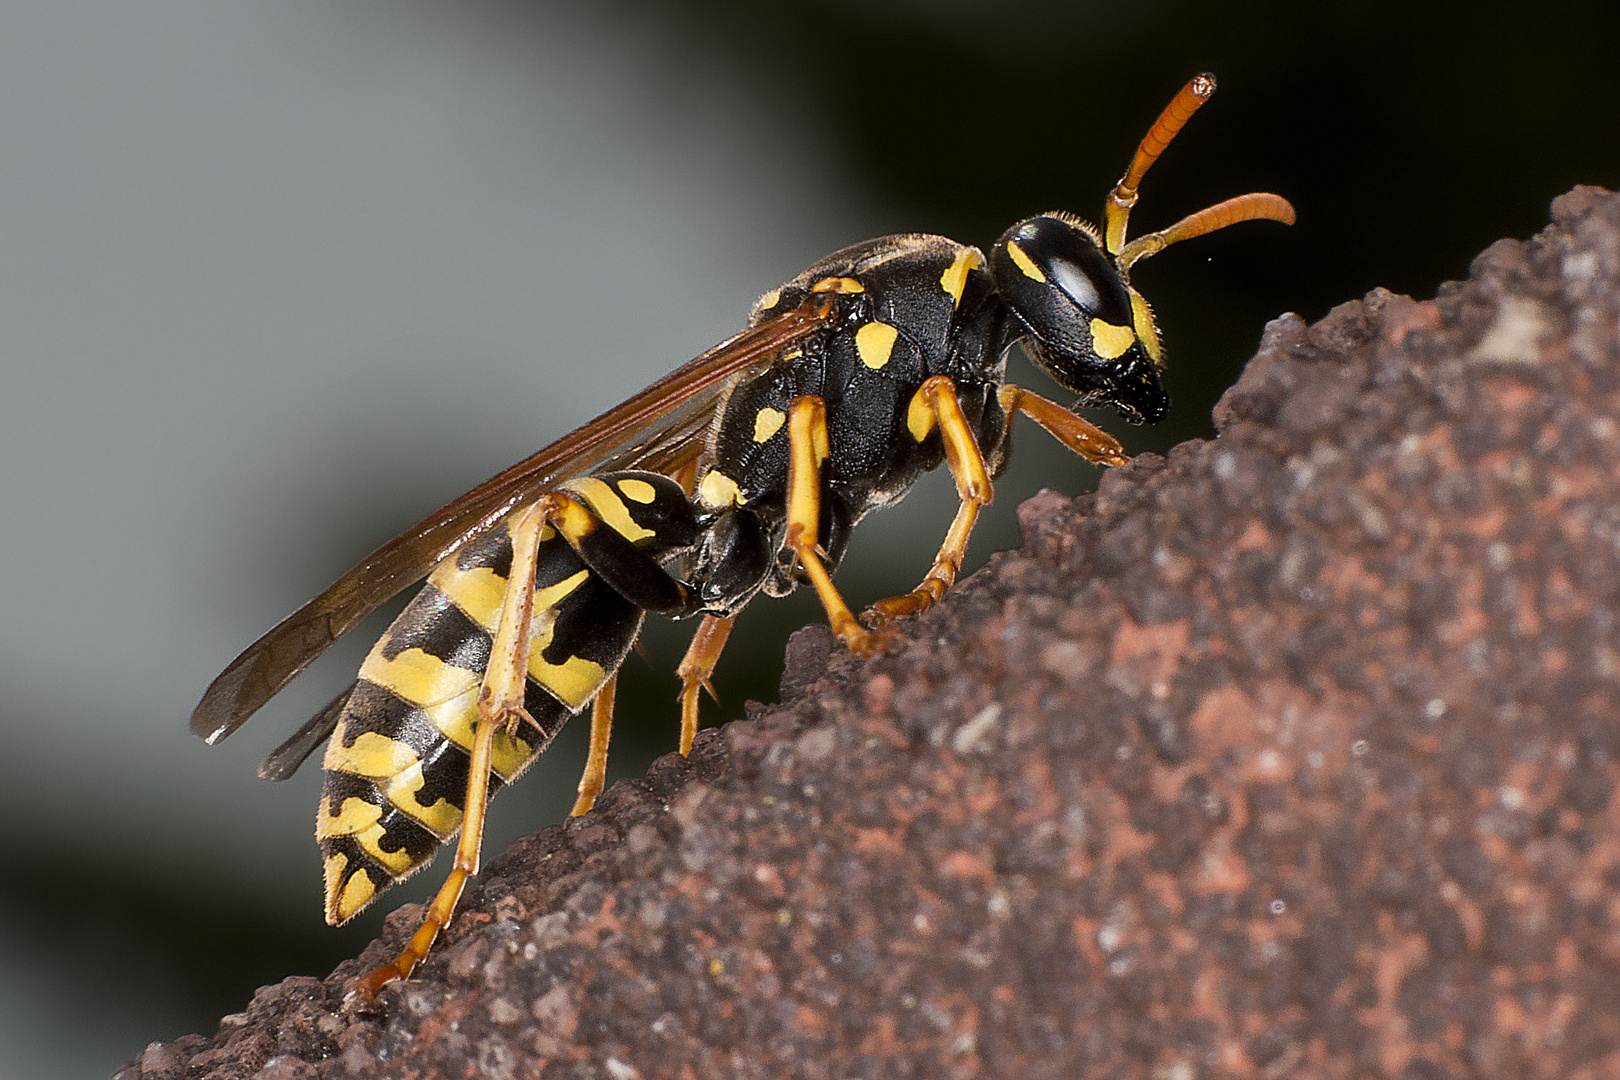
column 1086, row 327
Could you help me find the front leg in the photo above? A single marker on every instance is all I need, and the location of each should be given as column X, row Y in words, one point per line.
column 1083, row 437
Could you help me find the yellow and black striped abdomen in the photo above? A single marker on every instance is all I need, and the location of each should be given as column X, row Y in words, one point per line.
column 397, row 762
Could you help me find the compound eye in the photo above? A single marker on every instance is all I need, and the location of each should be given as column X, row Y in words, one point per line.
column 1073, row 280
column 1055, row 253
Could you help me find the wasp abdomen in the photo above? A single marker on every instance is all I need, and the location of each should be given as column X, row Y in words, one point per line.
column 397, row 763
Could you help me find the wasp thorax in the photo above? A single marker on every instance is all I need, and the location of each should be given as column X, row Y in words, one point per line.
column 1086, row 327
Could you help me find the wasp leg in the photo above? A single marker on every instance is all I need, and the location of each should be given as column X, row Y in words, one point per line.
column 935, row 405
column 592, row 780
column 500, row 706
column 695, row 668
column 464, row 867
column 807, row 449
column 1086, row 439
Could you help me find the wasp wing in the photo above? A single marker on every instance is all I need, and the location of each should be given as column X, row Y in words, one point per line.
column 284, row 760
column 661, row 429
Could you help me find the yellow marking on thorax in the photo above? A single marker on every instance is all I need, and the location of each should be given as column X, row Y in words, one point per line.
column 954, row 279
column 838, row 285
column 768, row 301
column 607, row 505
column 768, row 422
column 1110, row 341
column 419, row 677
column 370, row 755
column 874, row 343
column 718, row 491
column 442, row 819
column 637, row 490
column 1024, row 262
column 361, row 820
column 919, row 417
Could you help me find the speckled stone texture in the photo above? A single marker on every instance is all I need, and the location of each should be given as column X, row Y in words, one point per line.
column 1292, row 755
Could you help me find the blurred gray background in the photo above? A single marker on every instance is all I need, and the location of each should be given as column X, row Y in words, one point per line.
column 277, row 279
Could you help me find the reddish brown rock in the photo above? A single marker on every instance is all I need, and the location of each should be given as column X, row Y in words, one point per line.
column 1293, row 755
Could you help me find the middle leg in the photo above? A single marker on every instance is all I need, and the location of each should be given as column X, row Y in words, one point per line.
column 808, row 448
column 934, row 406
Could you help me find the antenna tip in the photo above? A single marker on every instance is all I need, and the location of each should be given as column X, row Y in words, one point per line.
column 1202, row 84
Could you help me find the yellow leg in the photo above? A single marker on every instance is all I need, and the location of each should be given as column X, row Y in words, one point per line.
column 464, row 867
column 500, row 706
column 935, row 405
column 594, row 778
column 695, row 668
column 1086, row 439
column 807, row 443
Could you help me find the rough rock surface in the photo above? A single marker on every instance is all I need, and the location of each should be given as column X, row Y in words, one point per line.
column 1292, row 755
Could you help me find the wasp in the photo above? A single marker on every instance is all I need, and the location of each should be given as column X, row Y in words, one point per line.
column 742, row 472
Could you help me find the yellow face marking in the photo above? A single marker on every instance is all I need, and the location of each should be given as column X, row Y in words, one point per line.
column 1147, row 331
column 954, row 279
column 608, row 506
column 718, row 491
column 420, row 678
column 874, row 342
column 442, row 818
column 371, row 755
column 919, row 417
column 637, row 491
column 1025, row 263
column 838, row 285
column 768, row 422
column 1109, row 340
